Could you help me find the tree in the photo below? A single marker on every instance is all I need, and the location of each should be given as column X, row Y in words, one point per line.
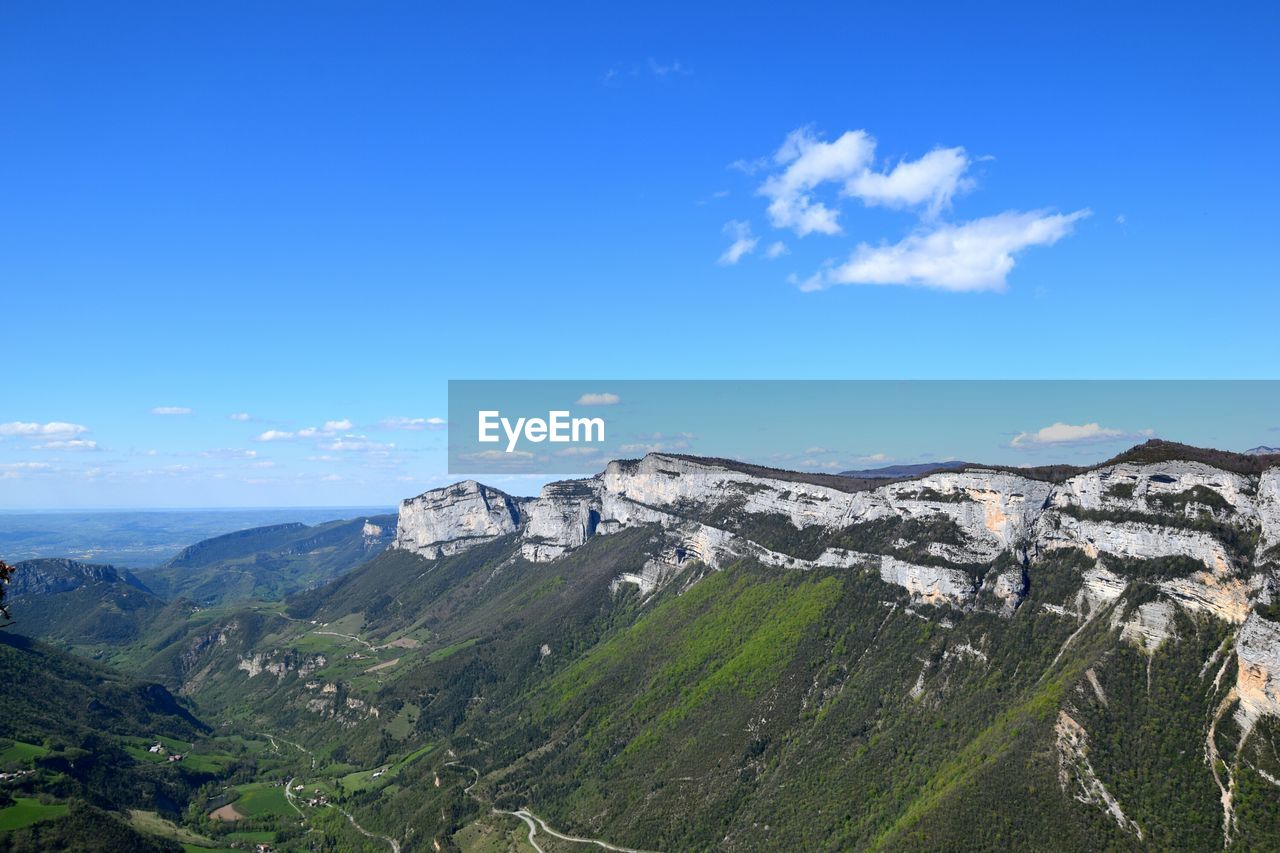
column 6, row 573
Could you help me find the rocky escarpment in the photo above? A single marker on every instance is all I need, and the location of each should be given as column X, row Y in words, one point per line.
column 455, row 518
column 1203, row 540
column 717, row 511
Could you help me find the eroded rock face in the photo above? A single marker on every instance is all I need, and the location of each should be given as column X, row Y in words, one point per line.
column 1269, row 511
column 1130, row 539
column 1258, row 672
column 452, row 519
column 1150, row 625
column 698, row 503
column 929, row 584
column 563, row 517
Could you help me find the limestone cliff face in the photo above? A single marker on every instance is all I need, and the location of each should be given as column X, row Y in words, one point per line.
column 449, row 520
column 1127, row 510
column 996, row 528
column 1269, row 511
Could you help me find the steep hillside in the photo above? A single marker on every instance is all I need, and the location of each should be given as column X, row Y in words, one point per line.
column 267, row 563
column 69, row 731
column 82, row 606
column 693, row 654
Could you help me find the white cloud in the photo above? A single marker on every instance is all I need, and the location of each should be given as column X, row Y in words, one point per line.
column 330, row 478
column 52, row 429
column 874, row 457
column 976, row 255
column 601, row 399
column 578, row 451
column 68, row 444
column 170, row 410
column 329, row 430
column 240, row 416
column 812, row 177
column 743, row 242
column 1062, row 433
column 809, row 163
column 229, row 453
column 931, row 181
column 358, row 444
column 25, row 466
column 412, row 424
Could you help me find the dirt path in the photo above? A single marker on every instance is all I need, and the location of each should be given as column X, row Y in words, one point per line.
column 395, row 845
column 297, row 746
column 365, row 643
column 288, row 796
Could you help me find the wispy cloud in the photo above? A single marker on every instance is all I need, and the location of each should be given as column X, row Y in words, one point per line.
column 171, row 410
column 412, row 424
column 658, row 443
column 654, row 68
column 977, row 255
column 240, row 416
column 15, row 470
column 329, row 430
column 578, row 451
column 358, row 444
column 776, row 250
column 52, row 429
column 1059, row 433
column 74, row 444
column 229, row 453
column 743, row 242
column 599, row 399
column 663, row 70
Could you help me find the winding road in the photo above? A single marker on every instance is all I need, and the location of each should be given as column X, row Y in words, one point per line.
column 288, row 794
column 534, row 822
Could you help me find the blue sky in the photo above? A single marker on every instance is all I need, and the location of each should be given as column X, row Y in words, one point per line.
column 319, row 213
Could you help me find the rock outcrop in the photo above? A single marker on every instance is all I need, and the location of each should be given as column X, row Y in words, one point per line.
column 452, row 519
column 714, row 511
column 1258, row 674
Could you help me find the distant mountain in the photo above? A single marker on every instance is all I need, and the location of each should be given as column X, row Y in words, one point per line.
column 1262, row 450
column 890, row 472
column 270, row 562
column 141, row 538
column 83, row 606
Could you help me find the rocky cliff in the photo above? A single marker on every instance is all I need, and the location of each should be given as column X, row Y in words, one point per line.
column 1208, row 524
column 455, row 518
column 1202, row 529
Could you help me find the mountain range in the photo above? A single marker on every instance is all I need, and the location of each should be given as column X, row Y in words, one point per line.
column 684, row 653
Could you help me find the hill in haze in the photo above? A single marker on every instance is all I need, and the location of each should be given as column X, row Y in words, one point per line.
column 269, row 562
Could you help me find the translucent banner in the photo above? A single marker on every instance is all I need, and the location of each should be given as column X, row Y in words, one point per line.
column 570, row 427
